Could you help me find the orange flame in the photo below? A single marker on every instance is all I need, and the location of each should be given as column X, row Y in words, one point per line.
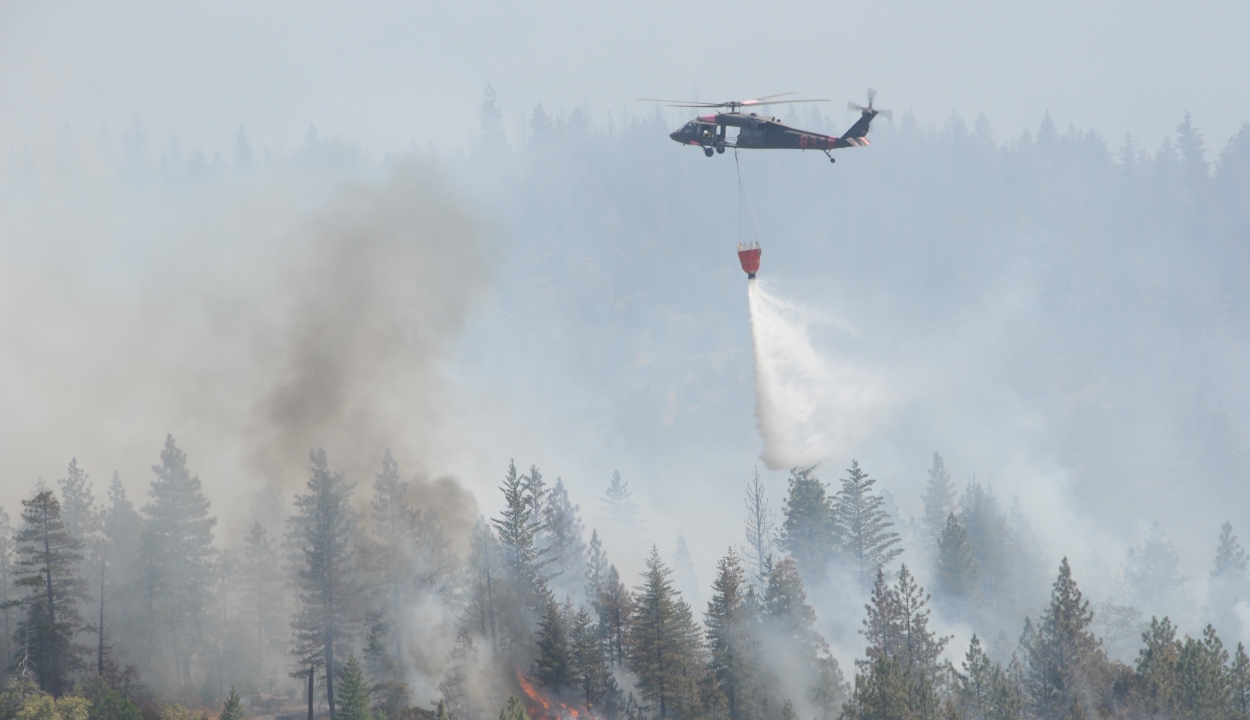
column 532, row 693
column 545, row 708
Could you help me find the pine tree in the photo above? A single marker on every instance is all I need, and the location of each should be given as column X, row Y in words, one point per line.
column 232, row 709
column 789, row 631
column 1129, row 156
column 441, row 712
column 7, row 569
column 219, row 625
column 394, row 524
column 901, row 662
column 957, row 573
column 121, row 531
column 484, row 568
column 121, row 525
column 1229, row 581
column 1193, row 154
column 788, row 617
column 262, row 585
column 78, row 508
column 830, row 691
column 884, row 692
column 354, row 693
column 976, row 682
column 616, row 607
column 1008, row 563
column 1061, row 656
column 519, row 525
column 563, row 536
column 897, row 627
column 664, row 647
column 514, row 709
column 48, row 557
column 1006, row 700
column 536, row 492
column 1231, row 184
column 178, row 542
column 590, row 668
column 492, row 138
column 808, row 534
column 37, row 706
column 241, row 150
column 1152, row 575
column 1201, row 684
column 882, row 628
column 684, row 573
column 519, row 600
column 321, row 534
column 459, row 698
column 554, row 664
column 596, row 568
column 921, row 646
column 939, row 501
column 1239, row 685
column 110, row 704
column 421, row 533
column 985, row 690
column 761, row 532
column 633, row 709
column 619, row 505
column 543, row 128
column 1229, row 555
column 864, row 526
column 1155, row 677
column 731, row 638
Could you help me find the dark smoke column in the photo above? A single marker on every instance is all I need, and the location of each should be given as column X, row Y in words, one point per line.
column 749, row 256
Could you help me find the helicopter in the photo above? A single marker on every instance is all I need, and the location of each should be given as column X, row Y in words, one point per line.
column 757, row 132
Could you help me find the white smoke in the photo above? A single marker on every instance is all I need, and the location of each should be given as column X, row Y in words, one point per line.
column 810, row 406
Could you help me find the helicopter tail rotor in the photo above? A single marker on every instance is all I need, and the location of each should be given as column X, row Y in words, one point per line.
column 872, row 96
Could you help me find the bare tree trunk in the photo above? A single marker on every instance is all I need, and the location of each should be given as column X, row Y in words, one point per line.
column 490, row 605
column 47, row 569
column 312, row 676
column 329, row 640
column 99, row 661
column 399, row 633
column 221, row 625
column 151, row 618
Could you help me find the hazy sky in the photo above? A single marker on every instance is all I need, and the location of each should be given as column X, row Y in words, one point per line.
column 387, row 74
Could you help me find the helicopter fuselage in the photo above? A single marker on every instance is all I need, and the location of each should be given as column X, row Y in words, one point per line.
column 757, row 132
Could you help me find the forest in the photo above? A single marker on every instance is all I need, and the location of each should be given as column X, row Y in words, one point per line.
column 347, row 597
column 117, row 611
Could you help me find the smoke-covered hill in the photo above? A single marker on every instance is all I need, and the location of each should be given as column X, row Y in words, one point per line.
column 1061, row 320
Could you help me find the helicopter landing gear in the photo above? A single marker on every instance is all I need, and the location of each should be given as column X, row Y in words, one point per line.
column 707, row 151
column 720, row 149
column 830, row 156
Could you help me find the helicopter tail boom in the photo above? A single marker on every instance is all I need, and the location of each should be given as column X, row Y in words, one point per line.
column 852, row 141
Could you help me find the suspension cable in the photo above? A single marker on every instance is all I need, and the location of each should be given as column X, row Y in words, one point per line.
column 746, row 223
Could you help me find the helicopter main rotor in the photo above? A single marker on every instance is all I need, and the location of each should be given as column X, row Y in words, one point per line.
column 733, row 105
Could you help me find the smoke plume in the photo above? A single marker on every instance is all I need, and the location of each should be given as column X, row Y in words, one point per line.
column 254, row 314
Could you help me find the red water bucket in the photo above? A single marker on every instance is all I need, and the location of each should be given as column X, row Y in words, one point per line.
column 749, row 256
